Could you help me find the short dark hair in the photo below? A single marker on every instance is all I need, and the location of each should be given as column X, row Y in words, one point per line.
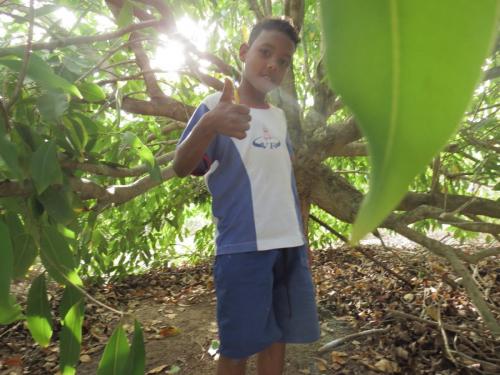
column 285, row 25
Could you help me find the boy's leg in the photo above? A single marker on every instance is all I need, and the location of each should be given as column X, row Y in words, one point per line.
column 271, row 360
column 245, row 312
column 228, row 366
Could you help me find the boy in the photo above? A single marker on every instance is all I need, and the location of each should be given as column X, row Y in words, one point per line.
column 265, row 296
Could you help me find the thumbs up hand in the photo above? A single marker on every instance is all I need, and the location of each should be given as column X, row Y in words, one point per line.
column 229, row 118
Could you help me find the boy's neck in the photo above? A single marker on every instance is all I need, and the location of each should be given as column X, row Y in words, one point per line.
column 252, row 97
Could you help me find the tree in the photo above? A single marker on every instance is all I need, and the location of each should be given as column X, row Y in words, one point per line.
column 88, row 125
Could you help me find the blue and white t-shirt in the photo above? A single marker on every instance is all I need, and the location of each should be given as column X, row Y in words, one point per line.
column 254, row 197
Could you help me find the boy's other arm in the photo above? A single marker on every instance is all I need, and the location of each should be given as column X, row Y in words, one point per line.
column 190, row 152
column 226, row 118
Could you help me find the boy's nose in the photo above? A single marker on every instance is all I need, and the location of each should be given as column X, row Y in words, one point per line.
column 271, row 65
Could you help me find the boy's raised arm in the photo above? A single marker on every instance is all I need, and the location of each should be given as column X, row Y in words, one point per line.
column 226, row 118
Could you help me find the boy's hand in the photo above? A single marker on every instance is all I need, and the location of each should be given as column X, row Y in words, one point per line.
column 228, row 118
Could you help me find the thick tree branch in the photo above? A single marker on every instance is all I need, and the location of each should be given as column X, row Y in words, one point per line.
column 109, row 171
column 255, row 7
column 323, row 98
column 206, row 79
column 142, row 60
column 75, row 41
column 14, row 189
column 471, row 205
column 327, row 141
column 118, row 194
column 166, row 107
column 426, row 212
column 492, row 73
column 4, row 117
column 350, row 150
column 295, row 10
column 474, row 258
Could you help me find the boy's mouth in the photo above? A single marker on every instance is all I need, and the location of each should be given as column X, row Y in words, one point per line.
column 268, row 78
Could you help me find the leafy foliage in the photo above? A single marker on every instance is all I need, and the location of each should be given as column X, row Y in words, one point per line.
column 88, row 127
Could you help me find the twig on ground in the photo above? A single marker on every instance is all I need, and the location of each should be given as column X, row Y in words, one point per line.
column 345, row 339
column 10, row 328
column 445, row 338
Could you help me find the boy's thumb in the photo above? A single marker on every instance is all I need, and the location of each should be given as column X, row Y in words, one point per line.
column 227, row 92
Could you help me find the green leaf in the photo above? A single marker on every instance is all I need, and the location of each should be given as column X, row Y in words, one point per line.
column 24, row 248
column 407, row 70
column 57, row 202
column 115, row 354
column 136, row 362
column 28, row 135
column 76, row 133
column 52, row 105
column 45, row 167
column 38, row 312
column 57, row 257
column 92, row 92
column 144, row 154
column 39, row 71
column 71, row 311
column 126, row 15
column 8, row 153
column 90, row 127
column 7, row 263
column 9, row 311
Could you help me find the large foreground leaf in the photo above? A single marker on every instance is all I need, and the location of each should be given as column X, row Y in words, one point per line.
column 7, row 263
column 115, row 354
column 71, row 311
column 9, row 311
column 38, row 312
column 57, row 257
column 136, row 361
column 407, row 70
column 23, row 245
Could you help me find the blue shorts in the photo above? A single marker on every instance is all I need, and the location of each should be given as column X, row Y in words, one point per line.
column 264, row 297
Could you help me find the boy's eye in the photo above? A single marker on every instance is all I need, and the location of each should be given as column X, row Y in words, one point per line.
column 283, row 62
column 265, row 52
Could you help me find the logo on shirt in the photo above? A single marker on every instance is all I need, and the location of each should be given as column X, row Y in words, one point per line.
column 267, row 141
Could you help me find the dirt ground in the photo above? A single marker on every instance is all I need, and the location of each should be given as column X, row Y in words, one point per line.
column 189, row 349
column 356, row 292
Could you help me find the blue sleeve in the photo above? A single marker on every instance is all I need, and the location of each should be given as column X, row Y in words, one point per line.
column 289, row 145
column 209, row 156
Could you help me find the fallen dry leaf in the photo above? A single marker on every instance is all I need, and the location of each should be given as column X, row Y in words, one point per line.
column 402, row 353
column 385, row 365
column 338, row 357
column 157, row 370
column 169, row 331
column 15, row 361
column 85, row 358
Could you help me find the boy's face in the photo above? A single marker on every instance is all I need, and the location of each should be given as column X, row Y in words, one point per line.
column 267, row 59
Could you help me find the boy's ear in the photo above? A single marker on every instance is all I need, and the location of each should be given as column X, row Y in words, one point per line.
column 243, row 51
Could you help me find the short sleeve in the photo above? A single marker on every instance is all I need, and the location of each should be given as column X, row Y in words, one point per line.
column 209, row 156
